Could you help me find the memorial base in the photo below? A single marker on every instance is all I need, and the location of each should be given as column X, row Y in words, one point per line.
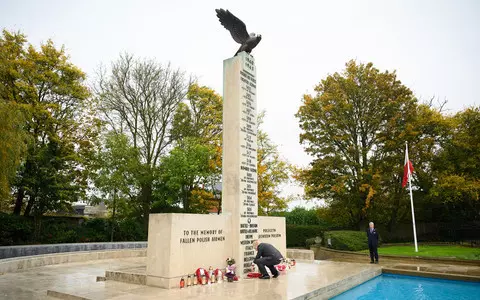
column 179, row 244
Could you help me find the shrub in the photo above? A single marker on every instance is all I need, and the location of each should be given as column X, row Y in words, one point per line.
column 347, row 240
column 15, row 230
column 298, row 234
column 130, row 230
column 69, row 236
column 56, row 230
column 311, row 242
column 94, row 230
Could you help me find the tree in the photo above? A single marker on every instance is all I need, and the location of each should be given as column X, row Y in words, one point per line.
column 61, row 130
column 425, row 128
column 200, row 118
column 12, row 145
column 139, row 98
column 184, row 173
column 302, row 216
column 117, row 164
column 351, row 127
column 456, row 193
column 272, row 172
column 12, row 148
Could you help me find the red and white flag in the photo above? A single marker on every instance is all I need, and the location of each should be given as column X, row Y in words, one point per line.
column 407, row 169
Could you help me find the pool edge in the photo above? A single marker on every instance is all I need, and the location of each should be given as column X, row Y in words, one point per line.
column 341, row 286
column 449, row 276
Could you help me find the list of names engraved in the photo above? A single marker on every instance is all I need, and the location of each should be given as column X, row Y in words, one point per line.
column 248, row 162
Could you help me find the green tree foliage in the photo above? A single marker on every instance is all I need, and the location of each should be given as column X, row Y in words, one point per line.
column 425, row 128
column 199, row 119
column 12, row 148
column 303, row 216
column 184, row 173
column 356, row 126
column 58, row 121
column 272, row 173
column 349, row 126
column 200, row 116
column 117, row 164
column 457, row 167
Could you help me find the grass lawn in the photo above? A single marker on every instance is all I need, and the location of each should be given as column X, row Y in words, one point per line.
column 446, row 251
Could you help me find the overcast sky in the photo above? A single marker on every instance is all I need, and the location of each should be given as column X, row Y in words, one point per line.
column 434, row 45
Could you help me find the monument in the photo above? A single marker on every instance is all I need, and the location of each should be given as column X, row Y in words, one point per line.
column 239, row 168
column 178, row 244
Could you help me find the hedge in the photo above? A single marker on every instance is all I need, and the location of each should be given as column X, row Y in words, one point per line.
column 297, row 235
column 346, row 240
column 18, row 230
column 15, row 230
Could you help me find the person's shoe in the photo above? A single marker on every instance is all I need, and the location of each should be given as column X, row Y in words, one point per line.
column 275, row 276
column 264, row 277
column 376, row 262
column 372, row 262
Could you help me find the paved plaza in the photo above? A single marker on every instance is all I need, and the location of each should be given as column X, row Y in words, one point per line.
column 79, row 279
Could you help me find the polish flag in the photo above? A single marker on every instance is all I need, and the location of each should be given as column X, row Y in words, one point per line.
column 407, row 169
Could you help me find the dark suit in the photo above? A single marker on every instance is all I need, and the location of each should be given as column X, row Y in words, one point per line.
column 373, row 243
column 267, row 256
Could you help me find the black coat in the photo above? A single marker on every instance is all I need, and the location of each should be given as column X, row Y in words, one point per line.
column 267, row 250
column 372, row 238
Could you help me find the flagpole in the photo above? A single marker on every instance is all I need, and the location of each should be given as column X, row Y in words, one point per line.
column 411, row 197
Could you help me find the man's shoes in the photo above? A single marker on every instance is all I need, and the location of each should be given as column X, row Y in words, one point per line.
column 372, row 262
column 264, row 277
column 376, row 262
column 275, row 276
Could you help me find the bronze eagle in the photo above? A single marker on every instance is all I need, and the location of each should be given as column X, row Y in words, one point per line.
column 238, row 30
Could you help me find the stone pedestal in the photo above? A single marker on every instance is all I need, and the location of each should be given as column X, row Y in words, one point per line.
column 239, row 178
column 178, row 244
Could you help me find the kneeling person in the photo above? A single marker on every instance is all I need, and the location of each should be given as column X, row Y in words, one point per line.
column 267, row 256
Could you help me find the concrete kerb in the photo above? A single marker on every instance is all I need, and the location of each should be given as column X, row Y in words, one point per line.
column 9, row 265
column 432, row 274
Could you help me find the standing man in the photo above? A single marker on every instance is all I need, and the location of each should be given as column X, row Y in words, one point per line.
column 372, row 243
column 268, row 256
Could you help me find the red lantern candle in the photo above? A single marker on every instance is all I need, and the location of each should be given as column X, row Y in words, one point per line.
column 182, row 283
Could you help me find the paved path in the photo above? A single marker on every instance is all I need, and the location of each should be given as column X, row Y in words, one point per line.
column 34, row 283
column 80, row 279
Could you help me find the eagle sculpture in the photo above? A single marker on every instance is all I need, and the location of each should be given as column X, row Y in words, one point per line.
column 238, row 30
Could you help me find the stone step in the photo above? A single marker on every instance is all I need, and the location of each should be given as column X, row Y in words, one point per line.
column 64, row 296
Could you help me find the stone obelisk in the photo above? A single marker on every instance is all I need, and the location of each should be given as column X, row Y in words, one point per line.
column 239, row 177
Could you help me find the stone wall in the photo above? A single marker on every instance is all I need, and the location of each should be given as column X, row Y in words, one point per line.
column 300, row 254
column 29, row 250
column 27, row 262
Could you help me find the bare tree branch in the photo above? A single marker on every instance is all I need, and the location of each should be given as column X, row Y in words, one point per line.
column 143, row 95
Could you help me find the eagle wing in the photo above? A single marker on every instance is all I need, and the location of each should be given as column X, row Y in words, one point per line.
column 237, row 28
